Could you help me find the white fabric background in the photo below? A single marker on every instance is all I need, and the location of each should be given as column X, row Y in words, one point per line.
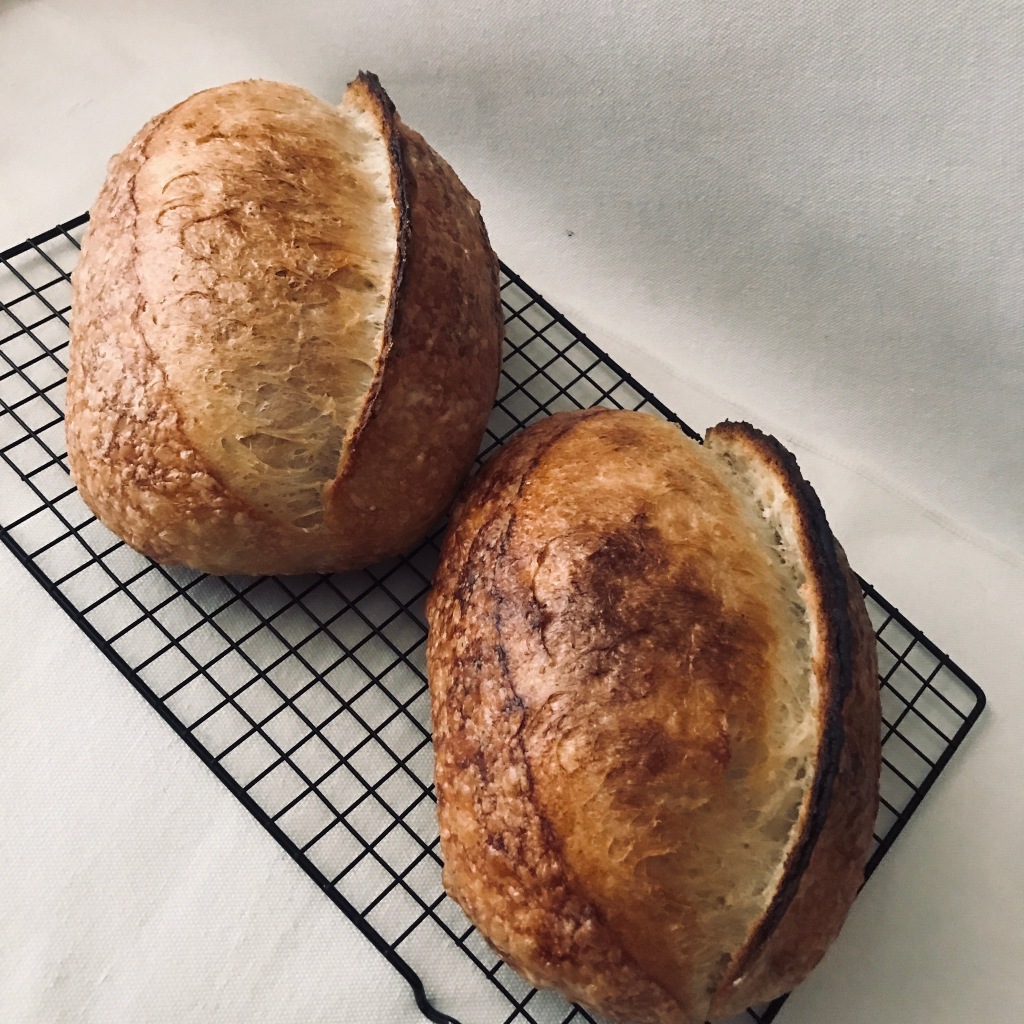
column 809, row 215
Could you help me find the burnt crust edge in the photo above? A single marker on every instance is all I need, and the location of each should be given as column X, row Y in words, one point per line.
column 829, row 580
column 387, row 115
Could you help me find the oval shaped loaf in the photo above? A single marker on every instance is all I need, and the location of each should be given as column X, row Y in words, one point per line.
column 656, row 715
column 286, row 334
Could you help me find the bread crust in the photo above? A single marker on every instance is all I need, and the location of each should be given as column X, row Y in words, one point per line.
column 834, row 872
column 598, row 633
column 421, row 429
column 140, row 452
column 503, row 858
column 825, row 869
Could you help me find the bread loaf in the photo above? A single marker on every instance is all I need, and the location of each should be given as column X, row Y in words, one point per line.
column 656, row 716
column 286, row 334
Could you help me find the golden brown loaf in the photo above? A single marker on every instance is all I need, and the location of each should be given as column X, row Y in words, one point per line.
column 286, row 334
column 656, row 715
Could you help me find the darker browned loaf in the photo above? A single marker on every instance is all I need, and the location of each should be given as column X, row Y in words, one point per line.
column 656, row 716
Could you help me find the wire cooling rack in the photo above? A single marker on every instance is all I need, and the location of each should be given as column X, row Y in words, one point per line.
column 307, row 696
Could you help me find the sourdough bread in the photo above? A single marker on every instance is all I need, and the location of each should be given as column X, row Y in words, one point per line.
column 655, row 712
column 286, row 334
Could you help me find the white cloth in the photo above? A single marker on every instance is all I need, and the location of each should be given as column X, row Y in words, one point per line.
column 810, row 218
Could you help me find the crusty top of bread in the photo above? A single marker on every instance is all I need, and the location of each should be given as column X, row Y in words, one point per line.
column 824, row 864
column 264, row 277
column 641, row 656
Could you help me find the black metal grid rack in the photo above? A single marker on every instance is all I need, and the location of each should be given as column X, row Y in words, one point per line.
column 307, row 696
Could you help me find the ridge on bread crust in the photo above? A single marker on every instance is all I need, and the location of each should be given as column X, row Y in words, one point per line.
column 823, row 868
column 598, row 654
column 264, row 276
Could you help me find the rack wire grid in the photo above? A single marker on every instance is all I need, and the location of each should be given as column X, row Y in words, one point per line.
column 307, row 696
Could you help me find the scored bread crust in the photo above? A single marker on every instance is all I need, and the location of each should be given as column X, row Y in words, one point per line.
column 835, row 870
column 564, row 612
column 419, row 434
column 825, row 869
column 432, row 383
